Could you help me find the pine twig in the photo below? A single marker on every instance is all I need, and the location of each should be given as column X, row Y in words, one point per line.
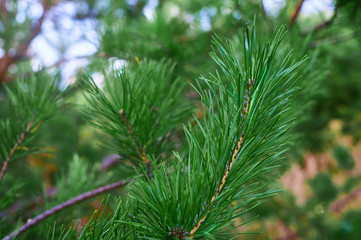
column 139, row 150
column 53, row 191
column 234, row 156
column 12, row 151
column 296, row 12
column 32, row 222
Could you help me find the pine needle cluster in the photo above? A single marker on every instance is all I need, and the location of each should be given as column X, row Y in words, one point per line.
column 241, row 138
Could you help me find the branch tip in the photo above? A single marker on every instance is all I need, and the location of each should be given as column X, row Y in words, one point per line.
column 220, row 187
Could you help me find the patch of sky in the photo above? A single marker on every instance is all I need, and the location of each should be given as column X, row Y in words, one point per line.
column 149, row 9
column 206, row 14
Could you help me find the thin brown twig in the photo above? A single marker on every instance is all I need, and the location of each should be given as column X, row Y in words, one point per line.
column 326, row 23
column 35, row 30
column 31, row 222
column 3, row 10
column 53, row 191
column 322, row 25
column 234, row 157
column 296, row 12
column 7, row 60
column 28, row 204
column 139, row 150
column 339, row 205
column 12, row 151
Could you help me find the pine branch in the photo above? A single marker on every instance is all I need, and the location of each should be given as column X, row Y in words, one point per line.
column 195, row 199
column 140, row 108
column 12, row 151
column 203, row 184
column 234, row 156
column 139, row 150
column 41, row 217
column 34, row 99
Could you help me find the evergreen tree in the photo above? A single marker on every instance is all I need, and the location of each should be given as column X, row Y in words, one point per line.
column 179, row 143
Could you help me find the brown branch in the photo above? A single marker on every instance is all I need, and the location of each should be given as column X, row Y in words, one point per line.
column 296, row 12
column 139, row 150
column 27, row 204
column 343, row 202
column 35, row 30
column 12, row 151
column 31, row 222
column 3, row 10
column 53, row 191
column 234, row 157
column 5, row 63
column 322, row 25
column 8, row 59
column 326, row 23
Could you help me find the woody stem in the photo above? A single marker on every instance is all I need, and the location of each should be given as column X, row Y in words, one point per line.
column 12, row 151
column 234, row 156
column 139, row 150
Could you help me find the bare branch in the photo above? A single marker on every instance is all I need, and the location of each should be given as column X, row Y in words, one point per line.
column 326, row 23
column 3, row 10
column 32, row 222
column 7, row 59
column 296, row 12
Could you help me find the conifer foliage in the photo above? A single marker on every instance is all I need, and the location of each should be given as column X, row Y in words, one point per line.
column 231, row 151
column 141, row 108
column 179, row 143
column 33, row 98
column 241, row 137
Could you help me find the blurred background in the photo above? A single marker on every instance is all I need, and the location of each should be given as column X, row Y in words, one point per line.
column 322, row 177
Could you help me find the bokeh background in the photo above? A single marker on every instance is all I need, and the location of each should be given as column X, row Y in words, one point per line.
column 322, row 177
